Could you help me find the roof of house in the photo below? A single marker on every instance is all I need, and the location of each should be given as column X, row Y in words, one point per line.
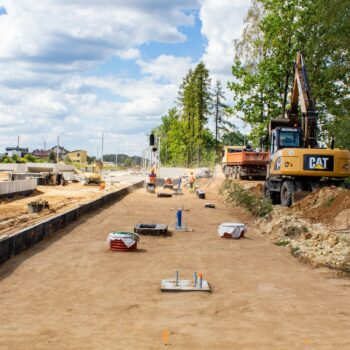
column 78, row 150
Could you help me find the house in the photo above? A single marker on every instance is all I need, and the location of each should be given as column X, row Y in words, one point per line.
column 41, row 153
column 78, row 156
column 18, row 151
column 62, row 152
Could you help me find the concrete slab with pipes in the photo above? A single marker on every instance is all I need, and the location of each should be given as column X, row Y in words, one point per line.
column 184, row 286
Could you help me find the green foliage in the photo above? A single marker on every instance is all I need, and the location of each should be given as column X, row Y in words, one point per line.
column 52, row 156
column 282, row 243
column 185, row 139
column 258, row 206
column 263, row 66
column 233, row 138
column 30, row 158
column 22, row 160
column 221, row 114
column 295, row 250
column 195, row 101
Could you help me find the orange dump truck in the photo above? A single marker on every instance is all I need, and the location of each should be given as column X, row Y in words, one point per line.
column 242, row 163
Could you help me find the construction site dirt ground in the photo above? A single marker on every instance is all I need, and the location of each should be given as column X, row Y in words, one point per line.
column 13, row 211
column 71, row 292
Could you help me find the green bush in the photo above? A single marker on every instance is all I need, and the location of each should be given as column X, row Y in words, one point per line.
column 282, row 243
column 258, row 206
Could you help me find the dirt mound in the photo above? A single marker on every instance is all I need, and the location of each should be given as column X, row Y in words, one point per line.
column 325, row 205
column 315, row 243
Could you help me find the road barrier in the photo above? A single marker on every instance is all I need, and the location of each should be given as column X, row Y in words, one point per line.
column 17, row 242
column 10, row 189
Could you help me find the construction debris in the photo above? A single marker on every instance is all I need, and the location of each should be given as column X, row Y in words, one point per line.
column 37, row 206
column 164, row 195
column 232, row 230
column 200, row 194
column 151, row 229
column 209, row 205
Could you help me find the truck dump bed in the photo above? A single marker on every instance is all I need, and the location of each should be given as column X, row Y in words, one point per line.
column 248, row 158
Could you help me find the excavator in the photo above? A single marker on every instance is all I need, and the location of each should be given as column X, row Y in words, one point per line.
column 297, row 162
column 91, row 174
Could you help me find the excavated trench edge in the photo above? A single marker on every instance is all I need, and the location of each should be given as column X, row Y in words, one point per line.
column 29, row 236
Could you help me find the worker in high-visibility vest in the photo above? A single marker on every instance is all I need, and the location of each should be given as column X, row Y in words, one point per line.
column 192, row 180
column 152, row 177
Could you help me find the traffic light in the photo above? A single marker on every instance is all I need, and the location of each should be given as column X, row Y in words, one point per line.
column 151, row 140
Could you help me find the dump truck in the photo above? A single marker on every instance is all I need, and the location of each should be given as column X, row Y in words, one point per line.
column 298, row 163
column 244, row 163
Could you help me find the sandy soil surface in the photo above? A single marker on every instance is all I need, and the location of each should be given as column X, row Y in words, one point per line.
column 71, row 292
column 13, row 212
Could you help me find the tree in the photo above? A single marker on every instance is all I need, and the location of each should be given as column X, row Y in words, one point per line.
column 263, row 67
column 233, row 138
column 195, row 101
column 220, row 111
column 185, row 138
column 52, row 156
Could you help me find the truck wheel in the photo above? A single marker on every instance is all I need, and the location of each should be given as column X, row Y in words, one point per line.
column 235, row 172
column 273, row 196
column 287, row 191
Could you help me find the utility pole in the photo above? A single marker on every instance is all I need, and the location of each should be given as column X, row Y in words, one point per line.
column 102, row 148
column 44, row 145
column 17, row 143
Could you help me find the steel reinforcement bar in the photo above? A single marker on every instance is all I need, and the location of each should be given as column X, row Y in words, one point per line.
column 29, row 236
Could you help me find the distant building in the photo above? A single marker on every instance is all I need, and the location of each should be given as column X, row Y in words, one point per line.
column 62, row 152
column 18, row 151
column 41, row 153
column 78, row 156
column 108, row 163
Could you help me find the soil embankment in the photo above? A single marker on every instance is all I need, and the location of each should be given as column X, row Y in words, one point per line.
column 316, row 229
column 71, row 292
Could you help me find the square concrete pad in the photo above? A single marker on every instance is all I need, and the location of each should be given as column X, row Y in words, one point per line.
column 184, row 286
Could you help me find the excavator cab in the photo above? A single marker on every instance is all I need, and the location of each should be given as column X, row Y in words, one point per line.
column 283, row 137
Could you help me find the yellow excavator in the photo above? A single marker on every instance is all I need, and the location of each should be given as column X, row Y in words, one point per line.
column 297, row 163
column 93, row 173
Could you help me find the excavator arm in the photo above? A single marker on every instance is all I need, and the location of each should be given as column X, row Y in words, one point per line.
column 301, row 95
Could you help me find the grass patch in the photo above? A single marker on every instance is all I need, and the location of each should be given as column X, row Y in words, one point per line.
column 294, row 250
column 282, row 243
column 258, row 206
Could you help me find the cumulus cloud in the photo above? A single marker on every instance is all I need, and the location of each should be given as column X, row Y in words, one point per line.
column 169, row 67
column 47, row 49
column 50, row 50
column 222, row 23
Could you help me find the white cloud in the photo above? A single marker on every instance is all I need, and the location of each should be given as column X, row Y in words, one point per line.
column 49, row 49
column 168, row 67
column 222, row 23
column 129, row 54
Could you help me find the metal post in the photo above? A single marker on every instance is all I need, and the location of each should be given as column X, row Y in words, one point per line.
column 195, row 279
column 102, row 148
column 177, row 278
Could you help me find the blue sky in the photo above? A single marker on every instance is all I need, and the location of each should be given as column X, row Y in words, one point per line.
column 79, row 68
